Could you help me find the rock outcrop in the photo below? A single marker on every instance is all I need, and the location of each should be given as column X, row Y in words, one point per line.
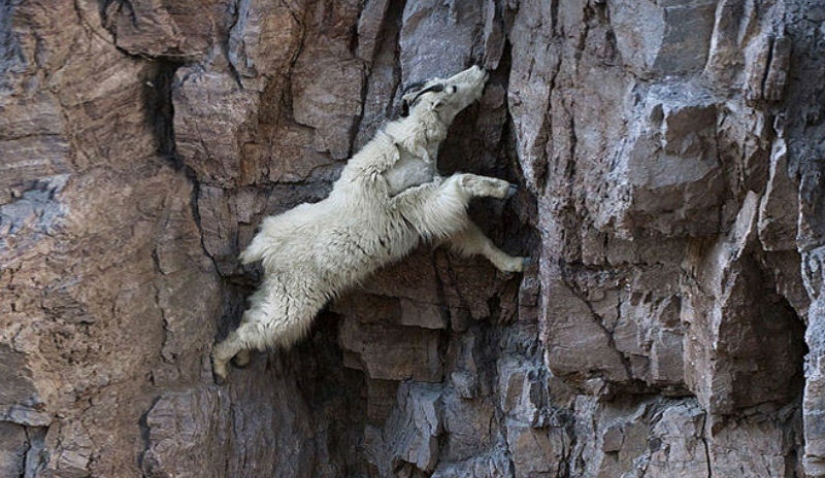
column 670, row 153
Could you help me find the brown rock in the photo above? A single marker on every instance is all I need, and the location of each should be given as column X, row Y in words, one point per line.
column 379, row 351
column 679, row 445
column 167, row 29
column 670, row 192
column 327, row 98
column 535, row 452
column 182, row 416
column 212, row 110
column 578, row 344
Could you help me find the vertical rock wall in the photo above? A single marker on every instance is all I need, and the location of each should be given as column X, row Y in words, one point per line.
column 672, row 168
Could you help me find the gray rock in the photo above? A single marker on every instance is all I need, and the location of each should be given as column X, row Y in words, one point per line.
column 20, row 400
column 777, row 209
column 813, row 402
column 742, row 351
column 666, row 178
column 493, row 465
column 663, row 37
column 13, row 448
column 412, row 430
column 425, row 50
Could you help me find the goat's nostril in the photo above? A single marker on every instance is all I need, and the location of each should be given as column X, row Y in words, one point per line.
column 455, row 88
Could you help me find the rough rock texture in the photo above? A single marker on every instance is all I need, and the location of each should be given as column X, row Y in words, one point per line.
column 671, row 158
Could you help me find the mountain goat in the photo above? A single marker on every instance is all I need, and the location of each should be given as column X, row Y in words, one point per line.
column 388, row 199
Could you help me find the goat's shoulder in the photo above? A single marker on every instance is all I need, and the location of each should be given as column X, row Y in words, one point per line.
column 378, row 155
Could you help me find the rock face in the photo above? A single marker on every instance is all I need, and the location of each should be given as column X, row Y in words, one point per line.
column 671, row 158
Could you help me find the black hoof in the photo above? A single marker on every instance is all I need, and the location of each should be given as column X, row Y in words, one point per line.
column 511, row 191
column 219, row 380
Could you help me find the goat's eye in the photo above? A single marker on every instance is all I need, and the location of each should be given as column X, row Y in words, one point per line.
column 455, row 88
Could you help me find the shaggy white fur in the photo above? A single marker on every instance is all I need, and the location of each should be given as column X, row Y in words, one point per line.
column 388, row 199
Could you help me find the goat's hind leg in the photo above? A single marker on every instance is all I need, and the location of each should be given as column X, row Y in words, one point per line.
column 249, row 335
column 281, row 313
column 223, row 352
column 252, row 333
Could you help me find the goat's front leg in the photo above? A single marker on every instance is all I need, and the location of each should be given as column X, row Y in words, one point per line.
column 472, row 240
column 438, row 210
column 474, row 185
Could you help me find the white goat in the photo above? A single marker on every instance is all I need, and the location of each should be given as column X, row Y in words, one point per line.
column 388, row 199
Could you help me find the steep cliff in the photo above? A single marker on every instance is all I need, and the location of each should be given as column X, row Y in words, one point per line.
column 671, row 158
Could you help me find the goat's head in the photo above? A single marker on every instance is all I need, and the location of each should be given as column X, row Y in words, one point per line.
column 445, row 97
